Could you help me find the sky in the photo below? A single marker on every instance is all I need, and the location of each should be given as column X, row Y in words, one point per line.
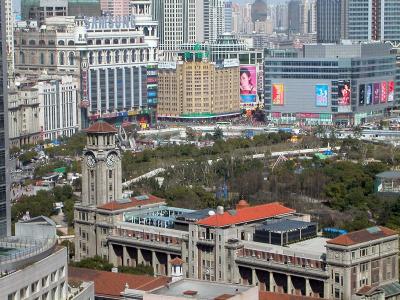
column 267, row 1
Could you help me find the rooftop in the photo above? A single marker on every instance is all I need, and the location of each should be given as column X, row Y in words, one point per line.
column 112, row 284
column 277, row 296
column 389, row 175
column 284, row 225
column 201, row 289
column 101, row 127
column 132, row 202
column 362, row 236
column 246, row 214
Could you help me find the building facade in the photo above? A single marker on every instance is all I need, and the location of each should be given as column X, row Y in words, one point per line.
column 5, row 210
column 372, row 20
column 23, row 116
column 115, row 7
column 109, row 56
column 329, row 21
column 331, row 84
column 10, row 39
column 198, row 89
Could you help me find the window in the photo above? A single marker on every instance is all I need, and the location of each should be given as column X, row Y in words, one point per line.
column 363, row 252
column 110, row 174
column 337, row 278
column 337, row 294
column 353, row 254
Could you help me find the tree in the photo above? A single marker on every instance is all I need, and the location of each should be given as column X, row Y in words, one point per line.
column 190, row 134
column 95, row 263
column 218, row 134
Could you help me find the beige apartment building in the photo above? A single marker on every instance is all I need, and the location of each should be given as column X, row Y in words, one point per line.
column 198, row 89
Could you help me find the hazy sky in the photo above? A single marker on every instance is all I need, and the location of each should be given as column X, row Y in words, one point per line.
column 267, row 1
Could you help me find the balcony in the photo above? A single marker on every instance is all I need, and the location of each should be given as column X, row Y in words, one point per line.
column 149, row 244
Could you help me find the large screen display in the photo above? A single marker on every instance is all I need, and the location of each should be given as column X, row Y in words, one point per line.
column 321, row 95
column 383, row 92
column 344, row 93
column 361, row 94
column 248, row 86
column 376, row 93
column 391, row 91
column 369, row 94
column 278, row 97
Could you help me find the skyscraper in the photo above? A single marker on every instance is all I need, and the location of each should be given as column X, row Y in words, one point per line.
column 213, row 19
column 294, row 18
column 5, row 218
column 115, row 7
column 177, row 22
column 372, row 20
column 228, row 16
column 328, row 21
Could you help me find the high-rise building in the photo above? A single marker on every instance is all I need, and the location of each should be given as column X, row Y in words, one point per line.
column 177, row 22
column 213, row 19
column 259, row 11
column 372, row 20
column 294, row 18
column 328, row 21
column 9, row 18
column 228, row 15
column 115, row 7
column 5, row 219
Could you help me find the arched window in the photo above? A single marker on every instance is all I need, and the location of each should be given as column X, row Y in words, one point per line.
column 52, row 58
column 133, row 57
column 125, row 56
column 108, row 57
column 51, row 43
column 146, row 31
column 117, row 56
column 22, row 57
column 42, row 43
column 23, row 42
column 124, row 41
column 71, row 59
column 115, row 41
column 42, row 58
column 61, row 43
column 71, row 43
column 91, row 58
column 107, row 42
column 61, row 58
column 132, row 40
column 98, row 42
column 90, row 42
column 15, row 42
column 100, row 58
column 147, row 55
column 32, row 42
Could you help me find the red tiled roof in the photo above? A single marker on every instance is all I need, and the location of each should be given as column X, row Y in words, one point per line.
column 362, row 236
column 224, row 297
column 101, row 127
column 263, row 295
column 176, row 261
column 365, row 289
column 246, row 214
column 112, row 284
column 115, row 205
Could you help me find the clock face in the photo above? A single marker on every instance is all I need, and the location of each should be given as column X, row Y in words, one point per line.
column 90, row 161
column 111, row 160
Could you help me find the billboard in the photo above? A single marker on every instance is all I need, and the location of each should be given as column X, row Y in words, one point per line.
column 248, row 86
column 361, row 94
column 383, row 92
column 390, row 91
column 278, row 97
column 321, row 95
column 369, row 94
column 375, row 98
column 344, row 93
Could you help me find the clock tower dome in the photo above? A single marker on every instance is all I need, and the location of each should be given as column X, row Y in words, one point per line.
column 101, row 166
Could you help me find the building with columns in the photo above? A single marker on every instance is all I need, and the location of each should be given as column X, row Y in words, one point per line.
column 109, row 56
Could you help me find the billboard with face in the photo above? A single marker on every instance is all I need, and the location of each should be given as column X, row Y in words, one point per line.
column 383, row 92
column 361, row 94
column 278, row 94
column 344, row 93
column 369, row 94
column 321, row 95
column 390, row 91
column 376, row 93
column 248, row 86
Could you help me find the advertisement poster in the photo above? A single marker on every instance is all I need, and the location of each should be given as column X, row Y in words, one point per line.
column 361, row 94
column 248, row 85
column 344, row 93
column 375, row 98
column 383, row 92
column 391, row 91
column 369, row 94
column 321, row 95
column 277, row 94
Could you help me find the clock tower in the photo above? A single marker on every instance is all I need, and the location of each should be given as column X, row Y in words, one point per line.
column 101, row 166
